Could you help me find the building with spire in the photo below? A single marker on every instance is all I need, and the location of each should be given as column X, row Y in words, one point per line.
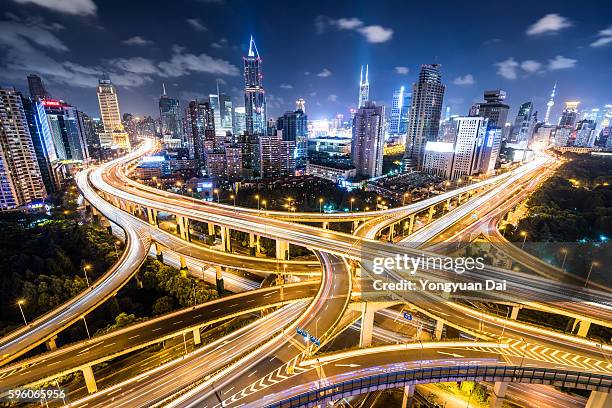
column 364, row 88
column 550, row 104
column 114, row 134
column 169, row 115
column 254, row 94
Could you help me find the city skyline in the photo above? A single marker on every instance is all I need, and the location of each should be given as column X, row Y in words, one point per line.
column 548, row 44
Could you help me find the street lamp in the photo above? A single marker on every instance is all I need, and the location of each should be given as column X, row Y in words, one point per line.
column 447, row 185
column 216, row 191
column 233, row 197
column 594, row 263
column 564, row 251
column 19, row 303
column 257, row 198
column 116, row 251
column 321, row 205
column 524, row 235
column 265, row 204
column 352, row 201
column 85, row 268
column 406, row 195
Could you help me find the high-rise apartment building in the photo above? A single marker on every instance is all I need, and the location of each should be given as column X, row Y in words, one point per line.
column 37, row 87
column 21, row 182
column 239, row 121
column 368, row 141
column 169, row 116
column 493, row 108
column 276, row 156
column 364, row 88
column 91, row 128
column 400, row 106
column 42, row 140
column 200, row 118
column 424, row 116
column 585, row 133
column 295, row 128
column 471, row 132
column 254, row 95
column 113, row 135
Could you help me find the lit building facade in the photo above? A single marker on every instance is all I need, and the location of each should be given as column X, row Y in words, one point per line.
column 108, row 101
column 364, row 88
column 367, row 145
column 400, row 106
column 254, row 94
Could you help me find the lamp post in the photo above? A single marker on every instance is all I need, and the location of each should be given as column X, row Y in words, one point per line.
column 19, row 303
column 594, row 263
column 406, row 195
column 216, row 191
column 321, row 205
column 564, row 251
column 85, row 268
column 233, row 197
column 257, row 198
column 352, row 201
column 265, row 205
column 524, row 235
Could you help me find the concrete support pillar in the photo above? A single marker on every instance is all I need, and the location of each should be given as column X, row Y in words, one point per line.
column 448, row 204
column 158, row 252
column 408, row 394
column 431, row 213
column 183, row 227
column 219, row 279
column 51, row 344
column 499, row 393
column 211, row 228
column 411, row 224
column 325, row 225
column 90, row 381
column 226, row 240
column 367, row 325
column 355, row 224
column 197, row 339
column 514, row 312
column 282, row 249
column 184, row 270
column 599, row 399
column 391, row 232
column 438, row 329
column 583, row 328
column 152, row 216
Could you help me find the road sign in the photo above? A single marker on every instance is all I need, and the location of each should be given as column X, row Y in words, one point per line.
column 407, row 316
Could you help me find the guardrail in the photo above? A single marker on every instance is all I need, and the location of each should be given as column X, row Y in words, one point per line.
column 548, row 376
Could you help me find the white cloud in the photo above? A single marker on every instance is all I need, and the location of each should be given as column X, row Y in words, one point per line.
column 605, row 38
column 306, row 73
column 549, row 23
column 74, row 7
column 137, row 40
column 196, row 24
column 467, row 79
column 223, row 42
column 332, row 98
column 560, row 62
column 28, row 33
column 286, row 86
column 136, row 65
column 531, row 66
column 376, row 34
column 372, row 33
column 184, row 63
column 325, row 73
column 401, row 70
column 313, row 94
column 507, row 68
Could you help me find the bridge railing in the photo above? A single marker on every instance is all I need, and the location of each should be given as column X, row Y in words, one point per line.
column 548, row 376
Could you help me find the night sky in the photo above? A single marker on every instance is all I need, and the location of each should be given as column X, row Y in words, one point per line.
column 310, row 49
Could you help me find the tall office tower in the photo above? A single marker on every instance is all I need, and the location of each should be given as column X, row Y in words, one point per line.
column 550, row 104
column 424, row 116
column 364, row 88
column 21, row 182
column 368, row 140
column 493, row 108
column 254, row 95
column 490, row 148
column 37, row 87
column 447, row 113
column 222, row 107
column 524, row 125
column 400, row 105
column 201, row 120
column 69, row 141
column 111, row 116
column 276, row 156
column 42, row 141
column 471, row 132
column 300, row 104
column 294, row 126
column 585, row 133
column 239, row 122
column 562, row 136
column 438, row 158
column 169, row 116
column 569, row 114
column 90, row 128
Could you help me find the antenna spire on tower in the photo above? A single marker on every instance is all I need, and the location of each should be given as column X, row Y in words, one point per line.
column 164, row 88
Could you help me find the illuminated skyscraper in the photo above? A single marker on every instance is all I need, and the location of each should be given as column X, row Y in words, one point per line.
column 222, row 108
column 201, row 126
column 569, row 114
column 300, row 104
column 37, row 87
column 111, row 115
column 424, row 116
column 368, row 140
column 493, row 108
column 254, row 95
column 550, row 104
column 68, row 139
column 295, row 128
column 169, row 116
column 20, row 180
column 524, row 125
column 239, row 120
column 400, row 106
column 364, row 88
